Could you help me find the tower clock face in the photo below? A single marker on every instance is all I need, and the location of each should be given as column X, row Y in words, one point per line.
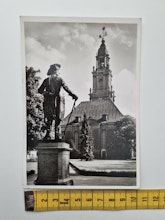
column 100, row 82
column 100, row 78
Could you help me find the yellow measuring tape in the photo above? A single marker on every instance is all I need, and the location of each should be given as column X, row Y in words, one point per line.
column 48, row 200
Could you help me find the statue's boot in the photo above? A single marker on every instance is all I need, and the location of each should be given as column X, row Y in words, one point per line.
column 57, row 137
column 47, row 136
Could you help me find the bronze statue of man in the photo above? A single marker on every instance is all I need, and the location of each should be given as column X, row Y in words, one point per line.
column 50, row 88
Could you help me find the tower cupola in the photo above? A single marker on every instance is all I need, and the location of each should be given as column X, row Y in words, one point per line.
column 102, row 58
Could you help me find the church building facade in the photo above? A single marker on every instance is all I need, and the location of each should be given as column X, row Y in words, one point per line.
column 101, row 113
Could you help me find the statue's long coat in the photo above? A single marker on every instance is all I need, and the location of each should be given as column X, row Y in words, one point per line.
column 50, row 88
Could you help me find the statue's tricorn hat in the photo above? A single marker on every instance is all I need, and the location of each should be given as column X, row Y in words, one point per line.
column 53, row 68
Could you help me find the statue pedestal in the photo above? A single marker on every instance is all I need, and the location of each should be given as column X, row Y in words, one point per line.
column 53, row 164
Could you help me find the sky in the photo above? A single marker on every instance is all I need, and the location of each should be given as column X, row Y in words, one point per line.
column 74, row 46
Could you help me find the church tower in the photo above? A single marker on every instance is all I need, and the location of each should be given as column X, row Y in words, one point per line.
column 102, row 75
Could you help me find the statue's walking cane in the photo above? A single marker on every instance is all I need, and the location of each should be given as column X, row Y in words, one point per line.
column 69, row 119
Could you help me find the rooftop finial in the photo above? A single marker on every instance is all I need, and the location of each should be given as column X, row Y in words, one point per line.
column 103, row 34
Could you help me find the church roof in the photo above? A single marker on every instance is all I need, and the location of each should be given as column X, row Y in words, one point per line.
column 95, row 109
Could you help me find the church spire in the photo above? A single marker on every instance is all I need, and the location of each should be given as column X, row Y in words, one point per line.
column 102, row 58
column 102, row 77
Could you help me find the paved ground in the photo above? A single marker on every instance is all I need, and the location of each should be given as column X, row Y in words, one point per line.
column 80, row 180
column 103, row 181
column 104, row 166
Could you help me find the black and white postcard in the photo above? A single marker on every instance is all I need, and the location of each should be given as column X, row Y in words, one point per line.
column 81, row 102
